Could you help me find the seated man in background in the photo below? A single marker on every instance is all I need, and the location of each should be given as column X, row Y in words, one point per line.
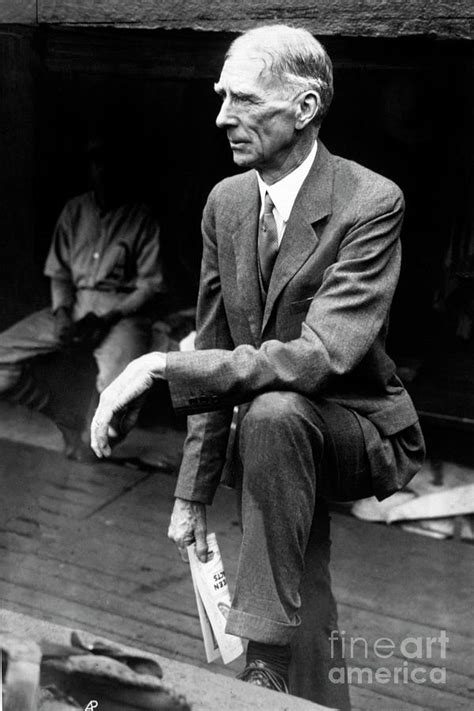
column 105, row 269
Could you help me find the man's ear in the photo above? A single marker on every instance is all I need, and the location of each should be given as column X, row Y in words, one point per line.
column 309, row 103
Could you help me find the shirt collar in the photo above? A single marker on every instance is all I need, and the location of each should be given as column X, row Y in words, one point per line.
column 283, row 193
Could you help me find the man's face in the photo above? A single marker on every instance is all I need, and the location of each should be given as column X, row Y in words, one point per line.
column 258, row 114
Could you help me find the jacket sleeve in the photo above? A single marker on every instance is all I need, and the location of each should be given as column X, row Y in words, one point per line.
column 345, row 316
column 208, row 433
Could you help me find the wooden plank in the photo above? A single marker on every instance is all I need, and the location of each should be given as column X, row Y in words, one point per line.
column 390, row 571
column 144, row 634
column 169, row 590
column 372, row 626
column 52, row 483
column 370, row 700
column 418, row 694
column 95, row 551
column 104, row 624
column 135, row 560
column 18, row 11
column 38, row 464
column 365, row 17
column 107, row 613
column 433, row 685
column 131, row 566
column 151, row 562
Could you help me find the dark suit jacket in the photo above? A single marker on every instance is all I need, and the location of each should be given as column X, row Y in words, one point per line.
column 322, row 329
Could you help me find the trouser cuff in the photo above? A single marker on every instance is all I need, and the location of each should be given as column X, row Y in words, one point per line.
column 260, row 629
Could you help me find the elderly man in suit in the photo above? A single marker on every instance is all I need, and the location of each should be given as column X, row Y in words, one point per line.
column 301, row 259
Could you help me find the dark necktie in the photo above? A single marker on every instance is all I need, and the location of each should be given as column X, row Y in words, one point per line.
column 267, row 241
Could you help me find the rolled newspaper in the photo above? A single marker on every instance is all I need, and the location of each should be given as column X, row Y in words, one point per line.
column 213, row 603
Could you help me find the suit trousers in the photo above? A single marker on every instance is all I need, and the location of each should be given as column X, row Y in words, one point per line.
column 295, row 455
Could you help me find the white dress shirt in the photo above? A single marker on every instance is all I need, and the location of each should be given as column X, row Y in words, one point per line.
column 283, row 193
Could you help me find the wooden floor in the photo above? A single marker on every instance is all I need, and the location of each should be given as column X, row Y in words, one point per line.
column 86, row 546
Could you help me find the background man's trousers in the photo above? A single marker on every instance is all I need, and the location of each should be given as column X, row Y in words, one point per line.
column 295, row 454
column 35, row 335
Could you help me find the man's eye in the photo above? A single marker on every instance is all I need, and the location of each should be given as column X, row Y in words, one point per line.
column 243, row 100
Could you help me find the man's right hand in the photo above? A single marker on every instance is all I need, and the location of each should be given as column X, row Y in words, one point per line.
column 188, row 524
column 64, row 327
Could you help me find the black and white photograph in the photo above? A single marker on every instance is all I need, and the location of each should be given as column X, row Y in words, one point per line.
column 236, row 355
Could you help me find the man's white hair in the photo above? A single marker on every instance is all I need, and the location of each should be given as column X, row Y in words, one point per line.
column 295, row 57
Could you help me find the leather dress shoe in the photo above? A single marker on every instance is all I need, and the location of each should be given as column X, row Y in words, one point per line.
column 261, row 674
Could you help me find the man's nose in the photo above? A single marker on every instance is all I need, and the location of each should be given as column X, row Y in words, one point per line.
column 226, row 116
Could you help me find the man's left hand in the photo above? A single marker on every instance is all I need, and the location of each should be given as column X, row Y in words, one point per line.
column 120, row 403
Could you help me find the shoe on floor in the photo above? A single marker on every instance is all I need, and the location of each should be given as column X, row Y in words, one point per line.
column 71, row 438
column 74, row 448
column 261, row 674
column 83, row 453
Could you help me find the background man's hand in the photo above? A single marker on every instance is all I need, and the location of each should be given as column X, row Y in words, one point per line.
column 188, row 524
column 120, row 403
column 64, row 326
column 92, row 329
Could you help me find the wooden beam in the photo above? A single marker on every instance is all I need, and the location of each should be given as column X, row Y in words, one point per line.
column 18, row 11
column 371, row 18
column 17, row 158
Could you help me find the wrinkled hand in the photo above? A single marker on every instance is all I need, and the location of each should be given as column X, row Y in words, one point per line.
column 120, row 403
column 188, row 524
column 64, row 327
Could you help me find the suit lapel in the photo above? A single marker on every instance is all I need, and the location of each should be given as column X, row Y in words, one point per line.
column 244, row 239
column 313, row 203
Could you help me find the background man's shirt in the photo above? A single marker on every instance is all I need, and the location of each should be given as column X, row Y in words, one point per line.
column 113, row 251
